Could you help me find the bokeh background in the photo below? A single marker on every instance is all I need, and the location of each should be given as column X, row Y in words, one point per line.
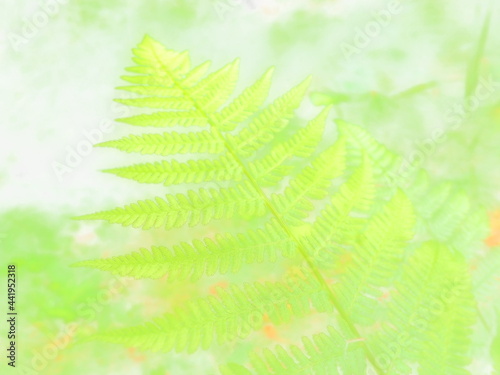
column 401, row 69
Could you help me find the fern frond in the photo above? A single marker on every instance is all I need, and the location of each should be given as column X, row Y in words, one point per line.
column 172, row 102
column 213, row 91
column 430, row 317
column 157, row 91
column 322, row 354
column 173, row 172
column 448, row 213
column 360, row 142
column 268, row 122
column 168, row 143
column 226, row 253
column 191, row 209
column 165, row 119
column 168, row 70
column 448, row 336
column 375, row 258
column 444, row 210
column 272, row 168
column 157, row 65
column 236, row 312
column 340, row 221
column 311, row 184
column 334, row 203
column 245, row 105
column 486, row 278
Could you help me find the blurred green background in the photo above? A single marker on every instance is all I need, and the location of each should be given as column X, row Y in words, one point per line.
column 402, row 69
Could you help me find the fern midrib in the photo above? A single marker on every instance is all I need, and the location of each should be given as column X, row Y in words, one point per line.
column 273, row 211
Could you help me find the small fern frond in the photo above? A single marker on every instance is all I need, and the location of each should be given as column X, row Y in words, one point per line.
column 322, row 354
column 193, row 208
column 235, row 312
column 226, row 253
column 448, row 336
column 432, row 297
column 173, row 102
column 272, row 168
column 374, row 259
column 343, row 213
column 448, row 213
column 214, row 90
column 269, row 122
column 443, row 209
column 486, row 278
column 311, row 183
column 167, row 144
column 166, row 119
column 245, row 105
column 173, row 172
column 361, row 142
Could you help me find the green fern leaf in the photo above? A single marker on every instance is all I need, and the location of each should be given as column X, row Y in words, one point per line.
column 226, row 253
column 311, row 184
column 168, row 143
column 323, row 354
column 334, row 212
column 245, row 105
column 173, row 172
column 268, row 122
column 236, row 312
column 190, row 209
column 272, row 168
column 376, row 256
column 417, row 312
column 356, row 196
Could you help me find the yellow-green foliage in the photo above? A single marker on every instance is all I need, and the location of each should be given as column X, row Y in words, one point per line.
column 384, row 262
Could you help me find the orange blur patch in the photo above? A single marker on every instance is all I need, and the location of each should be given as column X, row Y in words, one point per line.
column 220, row 284
column 384, row 297
column 266, row 318
column 271, row 332
column 85, row 237
column 331, row 281
column 135, row 356
column 343, row 263
column 494, row 238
